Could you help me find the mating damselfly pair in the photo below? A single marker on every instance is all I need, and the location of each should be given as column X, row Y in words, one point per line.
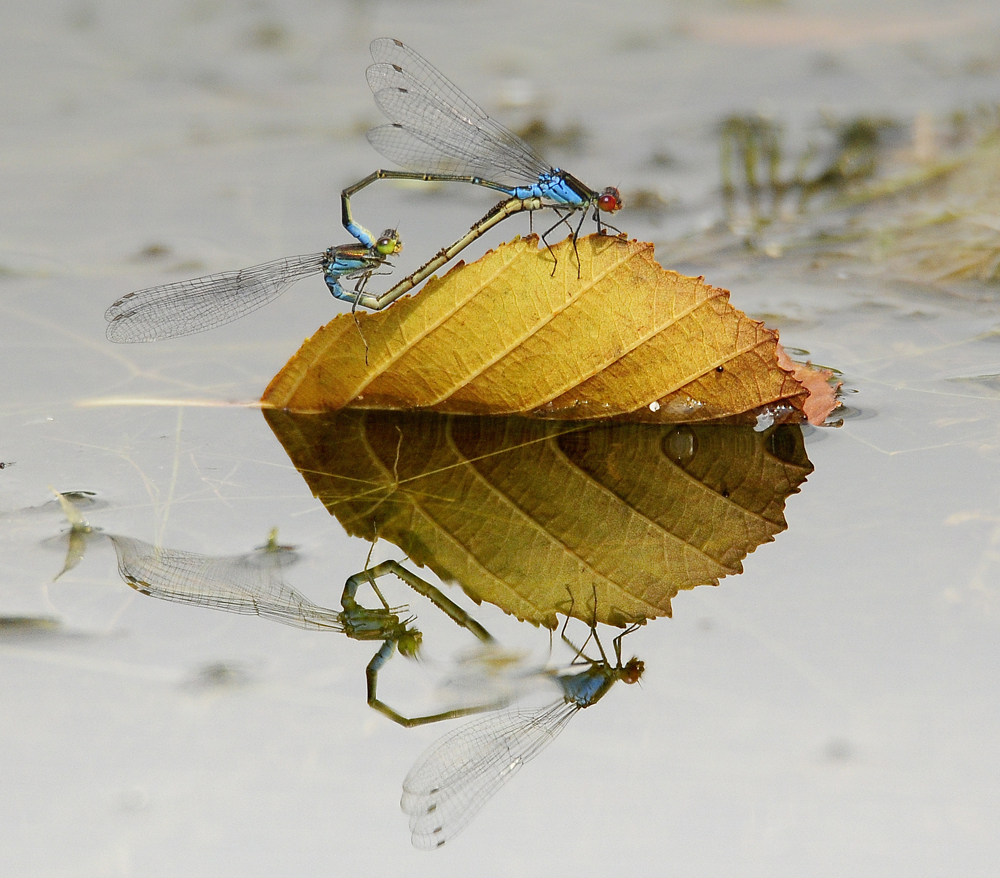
column 439, row 135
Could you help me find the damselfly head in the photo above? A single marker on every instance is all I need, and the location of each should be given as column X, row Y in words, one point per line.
column 389, row 244
column 610, row 200
column 633, row 670
column 409, row 643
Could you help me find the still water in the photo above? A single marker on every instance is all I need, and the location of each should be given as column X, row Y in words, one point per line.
column 829, row 711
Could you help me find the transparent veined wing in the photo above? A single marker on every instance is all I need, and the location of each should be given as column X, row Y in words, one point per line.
column 447, row 142
column 455, row 135
column 249, row 584
column 387, row 52
column 429, row 137
column 472, row 148
column 189, row 306
column 408, row 151
column 459, row 773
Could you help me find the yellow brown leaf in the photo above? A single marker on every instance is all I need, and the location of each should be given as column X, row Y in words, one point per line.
column 626, row 339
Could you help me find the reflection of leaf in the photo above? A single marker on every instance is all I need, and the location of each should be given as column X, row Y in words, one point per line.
column 544, row 516
column 627, row 339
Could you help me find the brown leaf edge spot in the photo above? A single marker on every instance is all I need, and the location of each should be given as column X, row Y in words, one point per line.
column 822, row 400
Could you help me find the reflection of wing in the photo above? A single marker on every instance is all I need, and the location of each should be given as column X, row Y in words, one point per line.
column 249, row 584
column 459, row 773
column 189, row 306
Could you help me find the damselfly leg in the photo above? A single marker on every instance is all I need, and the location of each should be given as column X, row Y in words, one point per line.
column 406, row 638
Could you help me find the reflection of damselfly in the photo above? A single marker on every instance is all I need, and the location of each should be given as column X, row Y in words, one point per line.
column 440, row 134
column 189, row 306
column 253, row 584
column 459, row 773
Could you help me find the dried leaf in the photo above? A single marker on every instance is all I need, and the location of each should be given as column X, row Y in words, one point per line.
column 541, row 516
column 626, row 340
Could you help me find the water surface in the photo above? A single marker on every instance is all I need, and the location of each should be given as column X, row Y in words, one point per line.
column 828, row 712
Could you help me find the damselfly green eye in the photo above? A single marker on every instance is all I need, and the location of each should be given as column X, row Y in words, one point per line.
column 409, row 643
column 389, row 244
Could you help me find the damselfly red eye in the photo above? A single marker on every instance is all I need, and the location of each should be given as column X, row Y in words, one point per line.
column 610, row 200
column 633, row 670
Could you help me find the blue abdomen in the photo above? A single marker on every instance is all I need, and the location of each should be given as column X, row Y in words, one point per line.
column 586, row 687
